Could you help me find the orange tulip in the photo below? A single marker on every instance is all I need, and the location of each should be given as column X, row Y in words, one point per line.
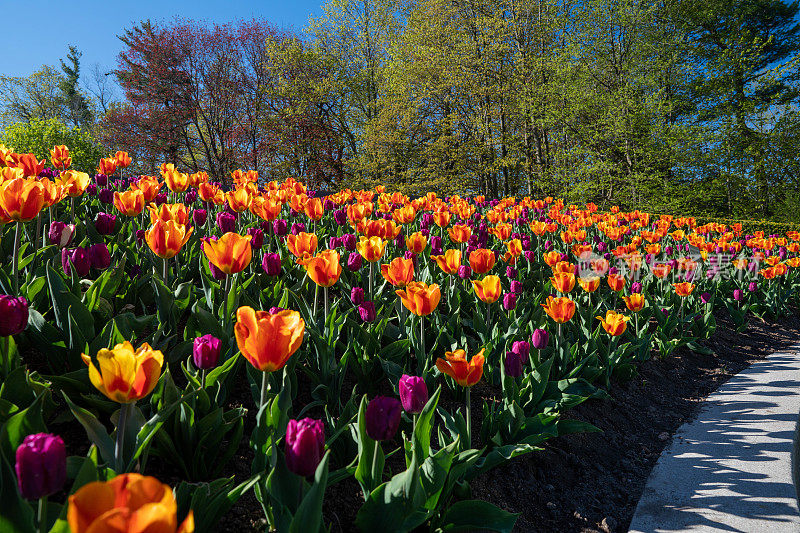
column 268, row 340
column 616, row 282
column 167, row 212
column 514, row 249
column 325, row 268
column 400, row 272
column 125, row 375
column 420, row 298
column 614, row 323
column 442, row 218
column 661, row 270
column 314, row 209
column 502, row 231
column 176, row 181
column 551, row 258
column 459, row 233
column 302, row 246
column 590, row 283
column 683, row 289
column 488, row 289
column 563, row 281
column 21, row 199
column 231, row 253
column 239, row 200
column 371, row 248
column 456, row 366
column 560, row 309
column 73, row 182
column 449, row 262
column 165, row 239
column 52, row 193
column 266, row 208
column 30, row 166
column 416, row 242
column 129, row 503
column 481, row 260
column 60, row 158
column 107, row 166
column 129, row 203
column 149, row 187
column 122, row 159
column 634, row 302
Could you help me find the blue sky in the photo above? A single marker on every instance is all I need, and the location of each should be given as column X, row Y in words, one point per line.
column 37, row 32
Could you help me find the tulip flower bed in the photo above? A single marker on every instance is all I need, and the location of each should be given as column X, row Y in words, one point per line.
column 400, row 347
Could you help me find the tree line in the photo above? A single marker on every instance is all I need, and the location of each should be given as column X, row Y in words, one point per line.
column 667, row 106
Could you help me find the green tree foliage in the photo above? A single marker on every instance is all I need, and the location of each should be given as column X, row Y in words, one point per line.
column 74, row 102
column 39, row 136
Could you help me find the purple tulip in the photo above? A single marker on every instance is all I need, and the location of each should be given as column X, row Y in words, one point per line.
column 80, row 259
column 340, row 217
column 101, row 179
column 205, row 351
column 705, row 297
column 298, row 227
column 106, row 196
column 636, row 287
column 160, row 199
column 280, row 227
column 13, row 315
column 256, row 238
column 464, row 272
column 516, row 287
column 99, row 256
column 509, row 301
column 413, row 393
column 540, row 338
column 271, row 263
column 91, row 189
column 367, row 311
column 226, row 222
column 752, row 286
column 41, row 465
column 738, row 295
column 511, row 272
column 513, row 364
column 334, row 243
column 190, row 197
column 305, row 445
column 349, row 242
column 523, row 349
column 354, row 261
column 273, row 310
column 140, row 235
column 357, row 295
column 383, row 417
column 104, row 223
column 61, row 234
column 216, row 273
column 199, row 217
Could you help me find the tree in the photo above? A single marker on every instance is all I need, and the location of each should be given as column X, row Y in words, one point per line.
column 75, row 104
column 23, row 99
column 39, row 136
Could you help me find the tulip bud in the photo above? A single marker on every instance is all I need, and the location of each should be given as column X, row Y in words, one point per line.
column 383, row 417
column 357, row 295
column 464, row 272
column 665, row 312
column 99, row 256
column 436, row 242
column 256, row 238
column 13, row 315
column 530, row 256
column 199, row 217
column 226, row 222
column 511, row 272
column 516, row 287
column 61, row 234
column 305, row 445
column 340, row 217
column 190, row 197
column 513, row 365
column 737, row 294
column 280, row 227
column 540, row 338
column 602, row 247
column 140, row 236
column 523, row 349
column 298, row 227
column 91, row 189
column 205, row 352
column 367, row 311
column 334, row 243
column 413, row 393
column 636, row 287
column 354, row 261
column 104, row 223
column 216, row 272
column 160, row 199
column 509, row 301
column 41, row 465
column 101, row 179
column 705, row 297
column 271, row 263
column 80, row 259
column 273, row 310
column 752, row 286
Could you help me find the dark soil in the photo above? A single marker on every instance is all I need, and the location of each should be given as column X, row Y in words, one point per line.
column 592, row 482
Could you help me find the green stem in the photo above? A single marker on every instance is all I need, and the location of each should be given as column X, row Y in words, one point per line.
column 371, row 270
column 119, row 449
column 325, row 302
column 264, row 386
column 164, row 271
column 15, row 259
column 468, row 413
column 43, row 514
column 203, row 379
column 376, row 476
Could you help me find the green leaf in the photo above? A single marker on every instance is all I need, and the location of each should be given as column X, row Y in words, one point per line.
column 471, row 515
column 95, row 430
column 308, row 517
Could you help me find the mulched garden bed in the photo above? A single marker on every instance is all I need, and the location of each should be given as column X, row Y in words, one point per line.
column 592, row 482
